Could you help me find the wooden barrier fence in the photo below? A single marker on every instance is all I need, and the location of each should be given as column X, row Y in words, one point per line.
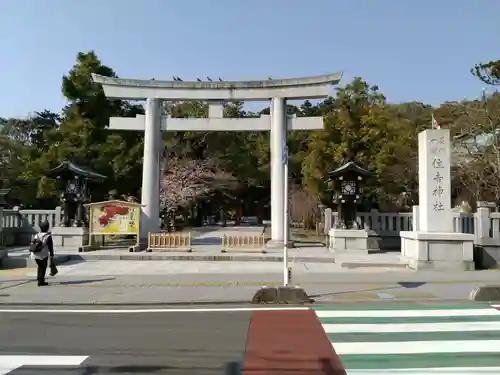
column 244, row 242
column 166, row 241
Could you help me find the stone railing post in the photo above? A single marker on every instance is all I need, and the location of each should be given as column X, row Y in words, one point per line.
column 58, row 216
column 2, row 240
column 415, row 218
column 327, row 220
column 482, row 218
column 374, row 216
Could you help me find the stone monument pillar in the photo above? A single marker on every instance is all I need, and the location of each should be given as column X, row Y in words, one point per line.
column 434, row 245
column 434, row 164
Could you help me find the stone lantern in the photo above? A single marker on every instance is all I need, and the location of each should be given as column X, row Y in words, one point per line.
column 348, row 233
column 348, row 183
column 76, row 182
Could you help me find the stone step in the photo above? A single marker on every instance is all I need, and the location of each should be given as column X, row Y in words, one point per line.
column 195, row 257
column 352, row 265
column 25, row 262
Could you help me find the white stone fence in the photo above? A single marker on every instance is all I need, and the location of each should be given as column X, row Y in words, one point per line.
column 18, row 226
column 387, row 225
column 484, row 224
column 391, row 223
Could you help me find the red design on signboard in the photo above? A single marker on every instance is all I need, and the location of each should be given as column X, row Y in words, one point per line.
column 110, row 211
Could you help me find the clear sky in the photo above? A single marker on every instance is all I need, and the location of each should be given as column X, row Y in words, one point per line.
column 413, row 50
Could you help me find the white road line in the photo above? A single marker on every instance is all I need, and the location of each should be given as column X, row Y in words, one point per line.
column 321, row 314
column 41, row 360
column 404, row 313
column 430, row 371
column 4, row 370
column 418, row 347
column 141, row 311
column 413, row 327
column 9, row 363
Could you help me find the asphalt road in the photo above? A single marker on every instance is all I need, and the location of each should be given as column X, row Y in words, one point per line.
column 115, row 343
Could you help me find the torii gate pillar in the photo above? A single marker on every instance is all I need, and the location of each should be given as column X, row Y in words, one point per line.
column 278, row 134
column 150, row 192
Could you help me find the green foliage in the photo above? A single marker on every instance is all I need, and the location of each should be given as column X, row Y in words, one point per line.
column 359, row 125
column 488, row 72
column 356, row 128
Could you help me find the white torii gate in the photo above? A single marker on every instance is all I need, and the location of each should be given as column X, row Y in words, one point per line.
column 215, row 93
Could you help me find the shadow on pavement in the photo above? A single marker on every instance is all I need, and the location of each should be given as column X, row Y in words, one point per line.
column 17, row 283
column 72, row 261
column 411, row 285
column 20, row 280
column 207, row 241
column 300, row 243
column 401, row 285
column 135, row 369
column 87, row 281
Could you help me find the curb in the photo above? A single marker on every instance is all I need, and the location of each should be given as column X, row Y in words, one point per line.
column 402, row 301
column 179, row 303
column 201, row 258
column 5, row 276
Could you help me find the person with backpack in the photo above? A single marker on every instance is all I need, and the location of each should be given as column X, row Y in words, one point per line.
column 41, row 249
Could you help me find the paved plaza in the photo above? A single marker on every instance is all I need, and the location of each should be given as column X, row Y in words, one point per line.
column 178, row 282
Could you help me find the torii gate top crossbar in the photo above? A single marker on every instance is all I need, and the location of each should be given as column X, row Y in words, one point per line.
column 314, row 87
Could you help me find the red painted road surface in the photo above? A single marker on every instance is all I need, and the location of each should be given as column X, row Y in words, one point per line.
column 289, row 342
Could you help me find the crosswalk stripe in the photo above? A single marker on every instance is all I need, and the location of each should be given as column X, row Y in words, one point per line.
column 413, row 327
column 418, row 347
column 432, row 371
column 462, row 306
column 415, row 339
column 405, row 313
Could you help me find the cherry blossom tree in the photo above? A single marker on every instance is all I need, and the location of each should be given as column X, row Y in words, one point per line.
column 183, row 181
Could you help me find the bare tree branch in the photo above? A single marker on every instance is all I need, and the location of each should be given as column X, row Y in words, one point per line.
column 477, row 146
column 489, row 72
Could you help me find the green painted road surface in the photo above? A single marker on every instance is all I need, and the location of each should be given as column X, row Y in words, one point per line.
column 438, row 339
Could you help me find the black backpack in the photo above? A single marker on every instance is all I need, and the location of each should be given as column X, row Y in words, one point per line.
column 37, row 244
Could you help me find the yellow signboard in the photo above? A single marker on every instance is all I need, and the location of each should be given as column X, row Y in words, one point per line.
column 114, row 217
